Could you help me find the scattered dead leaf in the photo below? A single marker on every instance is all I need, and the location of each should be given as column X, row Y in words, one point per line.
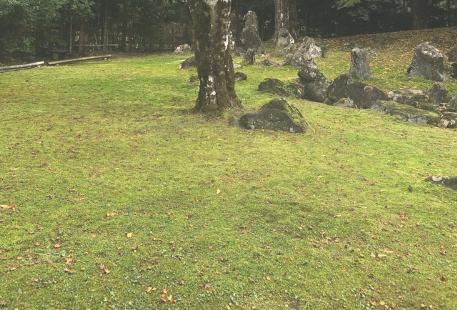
column 150, row 289
column 8, row 207
column 104, row 269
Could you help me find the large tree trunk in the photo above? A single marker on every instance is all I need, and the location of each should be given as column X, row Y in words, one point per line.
column 419, row 12
column 211, row 21
column 283, row 38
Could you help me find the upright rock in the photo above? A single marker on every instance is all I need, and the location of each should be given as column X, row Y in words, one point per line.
column 314, row 83
column 454, row 70
column 304, row 54
column 438, row 94
column 249, row 57
column 428, row 63
column 360, row 68
column 250, row 37
column 452, row 105
column 452, row 54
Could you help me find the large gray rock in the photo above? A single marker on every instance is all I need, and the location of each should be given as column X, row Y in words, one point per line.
column 314, row 83
column 412, row 97
column 428, row 63
column 307, row 51
column 338, row 89
column 285, row 40
column 250, row 37
column 364, row 95
column 452, row 54
column 278, row 114
column 360, row 68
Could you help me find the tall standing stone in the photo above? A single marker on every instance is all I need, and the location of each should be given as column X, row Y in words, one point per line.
column 428, row 63
column 452, row 54
column 250, row 37
column 249, row 57
column 360, row 68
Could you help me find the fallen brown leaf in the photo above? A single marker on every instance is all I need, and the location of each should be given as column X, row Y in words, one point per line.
column 8, row 207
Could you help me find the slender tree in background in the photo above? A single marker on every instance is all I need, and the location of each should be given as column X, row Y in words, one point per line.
column 282, row 35
column 420, row 14
column 211, row 21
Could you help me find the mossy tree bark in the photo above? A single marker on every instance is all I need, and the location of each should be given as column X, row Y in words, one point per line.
column 211, row 21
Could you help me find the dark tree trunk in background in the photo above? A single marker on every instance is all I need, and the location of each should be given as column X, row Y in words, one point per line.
column 419, row 14
column 282, row 34
column 293, row 23
column 105, row 27
column 82, row 37
column 211, row 20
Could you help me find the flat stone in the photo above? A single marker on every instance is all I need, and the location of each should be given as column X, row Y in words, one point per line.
column 406, row 112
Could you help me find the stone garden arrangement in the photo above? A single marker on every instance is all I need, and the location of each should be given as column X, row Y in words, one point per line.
column 434, row 107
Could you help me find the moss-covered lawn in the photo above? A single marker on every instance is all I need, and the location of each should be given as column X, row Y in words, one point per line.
column 120, row 192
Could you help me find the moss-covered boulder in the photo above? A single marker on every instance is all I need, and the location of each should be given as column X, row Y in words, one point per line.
column 278, row 115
